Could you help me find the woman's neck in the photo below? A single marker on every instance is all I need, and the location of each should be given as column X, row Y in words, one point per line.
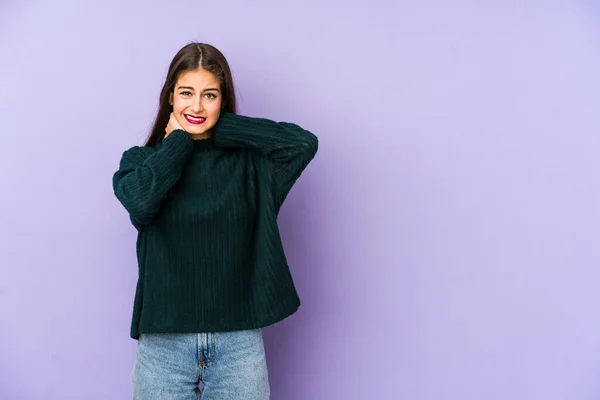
column 201, row 136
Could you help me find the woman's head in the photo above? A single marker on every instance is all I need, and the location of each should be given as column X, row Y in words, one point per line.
column 199, row 84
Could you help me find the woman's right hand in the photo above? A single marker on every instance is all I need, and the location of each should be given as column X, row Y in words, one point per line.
column 172, row 125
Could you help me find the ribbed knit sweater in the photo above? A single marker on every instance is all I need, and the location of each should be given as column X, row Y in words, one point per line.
column 210, row 257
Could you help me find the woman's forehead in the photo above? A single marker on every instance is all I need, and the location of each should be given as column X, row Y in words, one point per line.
column 198, row 79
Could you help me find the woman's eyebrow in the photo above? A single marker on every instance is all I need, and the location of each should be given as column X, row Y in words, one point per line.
column 191, row 88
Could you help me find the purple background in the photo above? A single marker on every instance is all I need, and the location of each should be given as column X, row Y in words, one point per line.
column 444, row 241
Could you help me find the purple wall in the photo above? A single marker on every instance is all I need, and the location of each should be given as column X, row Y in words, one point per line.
column 444, row 242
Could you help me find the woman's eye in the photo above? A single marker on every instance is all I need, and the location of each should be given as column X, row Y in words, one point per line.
column 210, row 95
column 186, row 94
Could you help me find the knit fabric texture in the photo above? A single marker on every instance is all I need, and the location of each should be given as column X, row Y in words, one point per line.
column 210, row 257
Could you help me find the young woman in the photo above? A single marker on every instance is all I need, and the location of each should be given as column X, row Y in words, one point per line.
column 204, row 193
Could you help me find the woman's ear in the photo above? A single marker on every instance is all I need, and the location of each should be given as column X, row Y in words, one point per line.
column 171, row 98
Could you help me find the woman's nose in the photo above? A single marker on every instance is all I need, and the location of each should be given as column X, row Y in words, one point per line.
column 197, row 106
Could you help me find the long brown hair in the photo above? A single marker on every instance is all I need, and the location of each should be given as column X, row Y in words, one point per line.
column 189, row 58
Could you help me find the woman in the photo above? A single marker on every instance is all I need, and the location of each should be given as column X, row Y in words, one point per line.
column 204, row 193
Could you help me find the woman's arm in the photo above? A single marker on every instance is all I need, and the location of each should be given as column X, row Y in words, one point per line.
column 288, row 146
column 145, row 175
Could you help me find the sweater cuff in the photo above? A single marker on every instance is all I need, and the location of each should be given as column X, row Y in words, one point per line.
column 178, row 142
column 231, row 128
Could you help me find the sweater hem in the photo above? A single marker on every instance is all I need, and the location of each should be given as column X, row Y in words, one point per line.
column 283, row 310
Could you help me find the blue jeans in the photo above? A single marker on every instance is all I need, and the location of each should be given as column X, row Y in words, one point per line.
column 231, row 365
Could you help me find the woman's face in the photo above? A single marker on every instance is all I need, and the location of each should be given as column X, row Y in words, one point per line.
column 196, row 102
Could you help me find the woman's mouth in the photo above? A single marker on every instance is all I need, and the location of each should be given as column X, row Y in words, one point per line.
column 194, row 120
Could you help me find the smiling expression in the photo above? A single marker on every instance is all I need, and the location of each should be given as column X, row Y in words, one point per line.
column 197, row 101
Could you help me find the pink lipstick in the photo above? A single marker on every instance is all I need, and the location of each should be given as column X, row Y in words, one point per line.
column 194, row 120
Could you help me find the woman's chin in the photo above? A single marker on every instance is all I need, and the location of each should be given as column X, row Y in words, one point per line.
column 199, row 133
column 195, row 129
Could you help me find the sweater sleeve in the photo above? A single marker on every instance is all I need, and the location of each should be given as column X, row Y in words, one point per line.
column 146, row 174
column 289, row 147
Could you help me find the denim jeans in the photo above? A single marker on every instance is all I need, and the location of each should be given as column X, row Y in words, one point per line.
column 231, row 365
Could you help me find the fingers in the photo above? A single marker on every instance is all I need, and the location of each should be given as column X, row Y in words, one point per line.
column 169, row 128
column 174, row 123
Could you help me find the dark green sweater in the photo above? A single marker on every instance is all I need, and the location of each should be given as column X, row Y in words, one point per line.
column 209, row 253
